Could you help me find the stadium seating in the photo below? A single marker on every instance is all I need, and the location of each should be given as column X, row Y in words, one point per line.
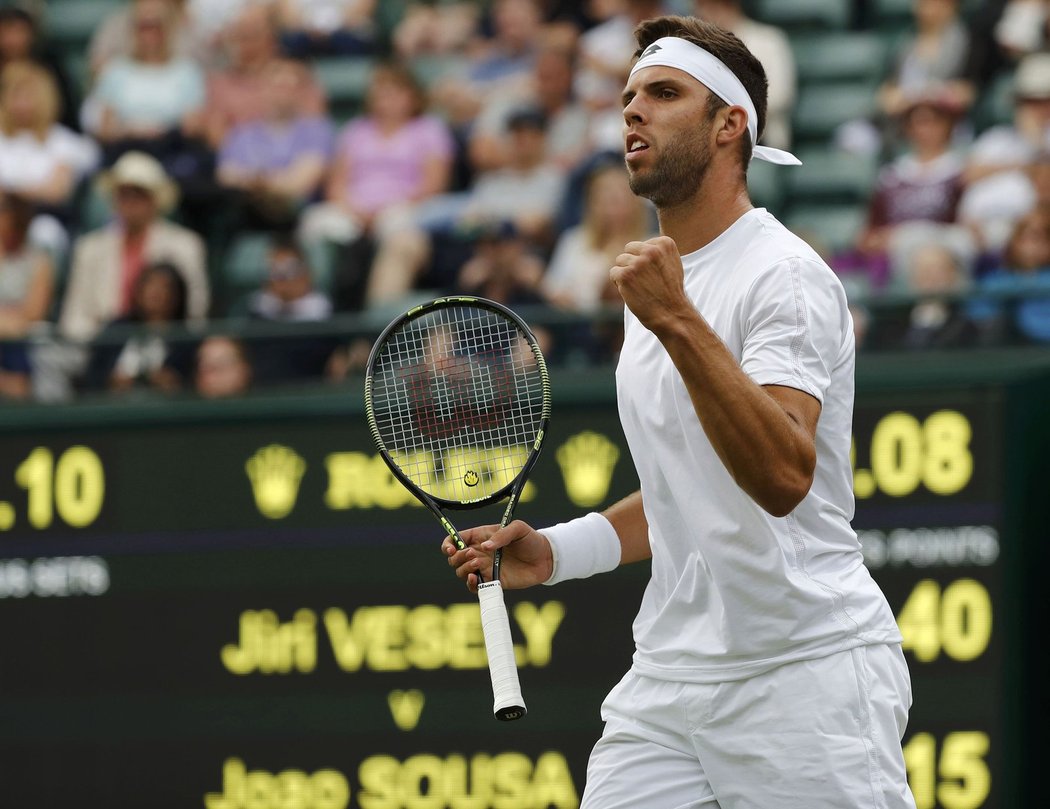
column 827, row 177
column 829, row 228
column 345, row 81
column 803, row 15
column 840, row 57
column 821, row 108
column 70, row 23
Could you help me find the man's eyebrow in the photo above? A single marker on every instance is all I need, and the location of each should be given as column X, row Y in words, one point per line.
column 652, row 87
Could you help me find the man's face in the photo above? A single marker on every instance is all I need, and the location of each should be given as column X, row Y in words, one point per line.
column 135, row 206
column 666, row 134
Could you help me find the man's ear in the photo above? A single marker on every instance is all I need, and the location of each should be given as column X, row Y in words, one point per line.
column 733, row 125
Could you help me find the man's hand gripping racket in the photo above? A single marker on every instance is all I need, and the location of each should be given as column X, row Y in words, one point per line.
column 458, row 400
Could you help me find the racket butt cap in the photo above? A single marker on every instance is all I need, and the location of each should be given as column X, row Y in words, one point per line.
column 510, row 713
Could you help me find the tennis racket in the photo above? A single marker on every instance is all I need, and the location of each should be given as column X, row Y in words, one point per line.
column 458, row 400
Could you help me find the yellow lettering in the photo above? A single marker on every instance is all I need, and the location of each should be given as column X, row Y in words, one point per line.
column 349, row 639
column 427, row 640
column 511, row 773
column 538, row 625
column 552, row 783
column 406, row 707
column 377, row 776
column 290, row 789
column 267, row 645
column 466, row 639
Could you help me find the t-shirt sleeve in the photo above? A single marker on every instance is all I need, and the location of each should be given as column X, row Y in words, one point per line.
column 796, row 325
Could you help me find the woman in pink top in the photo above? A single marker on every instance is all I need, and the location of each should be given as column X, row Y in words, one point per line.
column 386, row 160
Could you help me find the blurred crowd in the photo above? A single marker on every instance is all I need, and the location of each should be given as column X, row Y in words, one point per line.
column 197, row 168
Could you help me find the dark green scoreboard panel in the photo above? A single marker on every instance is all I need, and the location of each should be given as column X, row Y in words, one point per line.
column 251, row 613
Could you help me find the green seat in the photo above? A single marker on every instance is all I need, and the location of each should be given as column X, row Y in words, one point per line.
column 805, row 15
column 831, row 177
column 430, row 69
column 828, row 228
column 765, row 185
column 345, row 81
column 894, row 15
column 245, row 265
column 996, row 102
column 840, row 57
column 71, row 24
column 823, row 107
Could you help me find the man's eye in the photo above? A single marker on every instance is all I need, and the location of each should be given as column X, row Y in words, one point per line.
column 667, row 93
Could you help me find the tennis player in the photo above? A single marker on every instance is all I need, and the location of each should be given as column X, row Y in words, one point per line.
column 768, row 671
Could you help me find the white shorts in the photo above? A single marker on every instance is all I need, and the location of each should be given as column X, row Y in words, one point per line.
column 816, row 734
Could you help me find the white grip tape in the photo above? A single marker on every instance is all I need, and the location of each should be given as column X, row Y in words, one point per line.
column 506, row 691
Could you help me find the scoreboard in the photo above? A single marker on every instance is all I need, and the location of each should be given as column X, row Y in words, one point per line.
column 237, row 607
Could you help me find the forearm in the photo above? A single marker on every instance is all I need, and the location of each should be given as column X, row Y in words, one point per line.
column 627, row 517
column 763, row 447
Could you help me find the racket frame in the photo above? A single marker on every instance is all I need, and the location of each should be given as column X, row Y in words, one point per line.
column 499, row 669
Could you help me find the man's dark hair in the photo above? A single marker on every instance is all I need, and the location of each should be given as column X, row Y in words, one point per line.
column 725, row 46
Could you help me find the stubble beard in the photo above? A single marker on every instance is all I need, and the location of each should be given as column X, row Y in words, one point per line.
column 675, row 177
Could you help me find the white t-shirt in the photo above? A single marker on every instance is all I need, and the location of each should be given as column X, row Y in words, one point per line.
column 734, row 591
column 27, row 161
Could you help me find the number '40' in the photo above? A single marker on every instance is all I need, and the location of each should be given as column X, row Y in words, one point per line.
column 957, row 620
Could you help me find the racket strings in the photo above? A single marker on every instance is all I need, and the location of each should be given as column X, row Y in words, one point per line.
column 458, row 400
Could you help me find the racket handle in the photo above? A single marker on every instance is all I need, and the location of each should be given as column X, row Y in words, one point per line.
column 506, row 691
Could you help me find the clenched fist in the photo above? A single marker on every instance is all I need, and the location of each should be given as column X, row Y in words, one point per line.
column 650, row 278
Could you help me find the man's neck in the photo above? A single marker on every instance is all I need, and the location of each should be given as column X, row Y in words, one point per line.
column 134, row 234
column 707, row 214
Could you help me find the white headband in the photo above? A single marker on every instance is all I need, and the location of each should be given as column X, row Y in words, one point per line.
column 710, row 71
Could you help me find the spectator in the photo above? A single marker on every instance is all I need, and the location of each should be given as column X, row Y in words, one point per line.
column 223, row 368
column 40, row 159
column 605, row 60
column 998, row 188
column 393, row 156
column 503, row 65
column 439, row 29
column 26, row 287
column 289, row 294
column 935, row 276
column 578, row 275
column 931, row 61
column 115, row 36
column 550, row 90
column 502, row 268
column 526, row 194
column 150, row 100
column 771, row 47
column 277, row 164
column 238, row 94
column 107, row 262
column 1021, row 285
column 923, row 185
column 26, row 274
column 19, row 42
column 149, row 359
column 1023, row 27
column 320, row 27
column 289, row 297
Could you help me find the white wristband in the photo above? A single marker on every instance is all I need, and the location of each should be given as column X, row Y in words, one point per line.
column 582, row 547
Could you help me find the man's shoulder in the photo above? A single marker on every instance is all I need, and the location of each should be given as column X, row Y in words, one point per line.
column 768, row 242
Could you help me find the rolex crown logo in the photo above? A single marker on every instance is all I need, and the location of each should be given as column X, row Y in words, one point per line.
column 587, row 461
column 275, row 472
